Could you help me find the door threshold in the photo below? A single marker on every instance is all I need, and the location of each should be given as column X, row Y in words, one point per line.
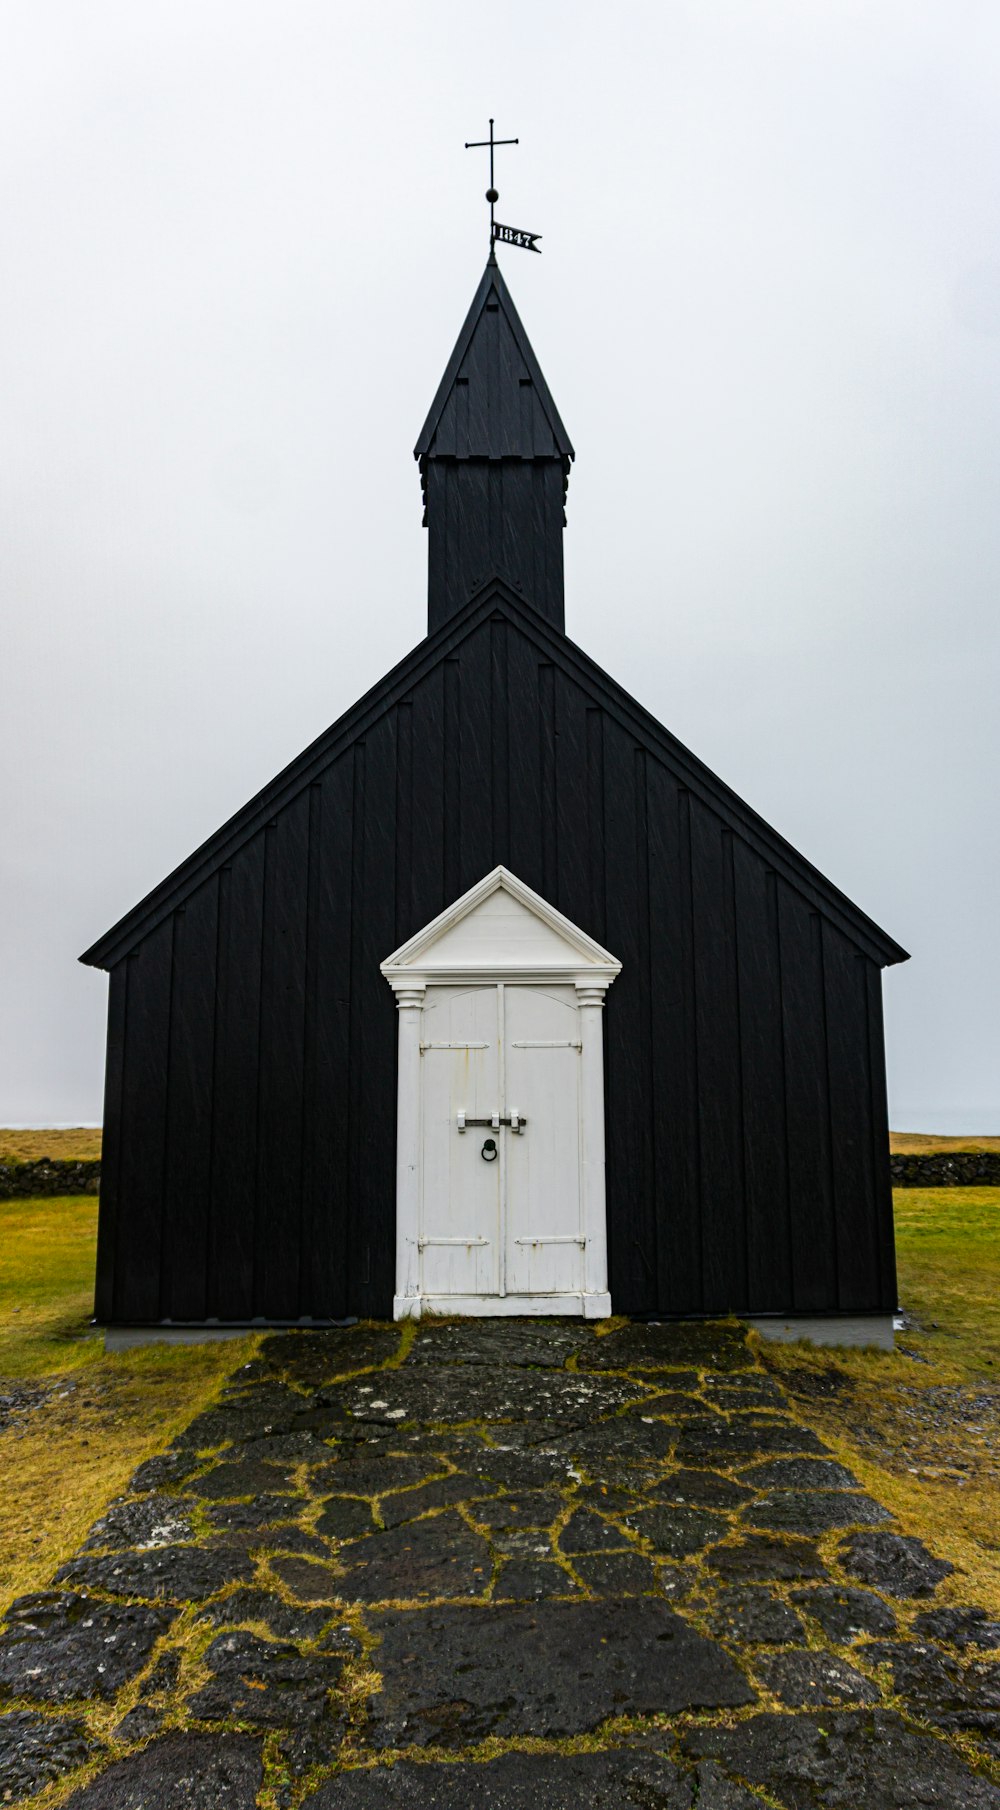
column 578, row 1305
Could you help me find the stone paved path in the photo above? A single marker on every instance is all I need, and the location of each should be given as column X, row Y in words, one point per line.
column 510, row 1563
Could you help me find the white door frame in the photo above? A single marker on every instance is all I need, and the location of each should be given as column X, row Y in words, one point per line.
column 567, row 956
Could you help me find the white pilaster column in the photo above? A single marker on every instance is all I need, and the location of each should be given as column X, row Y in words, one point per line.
column 409, row 1004
column 597, row 1300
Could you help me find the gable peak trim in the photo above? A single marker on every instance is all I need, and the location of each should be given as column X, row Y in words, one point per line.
column 584, row 954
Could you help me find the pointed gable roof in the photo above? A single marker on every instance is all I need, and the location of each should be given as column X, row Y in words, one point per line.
column 493, row 402
column 496, row 600
column 500, row 923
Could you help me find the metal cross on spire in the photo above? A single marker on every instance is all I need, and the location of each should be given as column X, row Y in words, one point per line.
column 508, row 235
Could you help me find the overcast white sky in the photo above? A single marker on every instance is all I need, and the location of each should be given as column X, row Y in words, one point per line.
column 238, row 242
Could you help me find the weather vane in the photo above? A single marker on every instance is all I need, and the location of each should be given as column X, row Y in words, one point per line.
column 507, row 235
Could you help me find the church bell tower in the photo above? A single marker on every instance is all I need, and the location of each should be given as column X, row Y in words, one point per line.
column 494, row 465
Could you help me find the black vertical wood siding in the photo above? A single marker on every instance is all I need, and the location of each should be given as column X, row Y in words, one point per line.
column 251, row 1081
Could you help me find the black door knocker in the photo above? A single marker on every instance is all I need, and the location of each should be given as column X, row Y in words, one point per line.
column 489, row 1151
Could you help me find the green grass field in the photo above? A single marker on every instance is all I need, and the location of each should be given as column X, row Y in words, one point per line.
column 901, row 1420
column 102, row 1414
column 75, row 1144
column 82, row 1143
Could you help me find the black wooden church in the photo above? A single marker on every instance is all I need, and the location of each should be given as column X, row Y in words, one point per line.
column 496, row 999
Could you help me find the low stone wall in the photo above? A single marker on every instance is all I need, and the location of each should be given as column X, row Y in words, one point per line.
column 961, row 1169
column 943, row 1169
column 48, row 1176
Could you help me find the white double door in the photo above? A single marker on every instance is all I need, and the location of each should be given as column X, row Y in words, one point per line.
column 501, row 1196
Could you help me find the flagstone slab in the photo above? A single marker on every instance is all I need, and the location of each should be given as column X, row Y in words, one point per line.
column 445, row 1492
column 314, row 1358
column 936, row 1687
column 167, row 1470
column 145, row 1716
column 35, row 1749
column 178, row 1574
column 701, row 1489
column 220, row 1771
column 346, row 1518
column 746, row 1389
column 283, row 1538
column 308, row 1581
column 517, row 1469
column 616, row 1573
column 844, row 1614
column 141, row 1721
column 679, row 1531
column 799, row 1473
column 806, row 1679
column 813, row 1511
column 610, row 1442
column 958, row 1626
column 268, row 1684
column 718, row 1441
column 714, row 1790
column 589, row 1532
column 609, row 1498
column 844, row 1760
column 552, row 1670
column 249, row 1477
column 59, row 1644
column 266, row 1395
column 289, row 1621
column 526, row 1580
column 257, row 1511
column 452, row 1394
column 667, row 1404
column 522, row 1542
column 893, row 1562
column 373, row 1475
column 156, row 1520
column 304, row 1445
column 530, row 1508
column 679, row 1583
column 244, row 1418
column 519, row 1781
column 534, row 1434
column 677, row 1346
column 437, row 1557
column 752, row 1615
column 614, row 1780
column 544, row 1345
column 759, row 1556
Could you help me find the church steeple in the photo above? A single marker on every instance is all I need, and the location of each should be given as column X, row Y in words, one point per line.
column 494, row 465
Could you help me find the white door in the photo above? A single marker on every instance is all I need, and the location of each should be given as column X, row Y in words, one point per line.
column 500, row 1210
column 460, row 1238
column 544, row 1234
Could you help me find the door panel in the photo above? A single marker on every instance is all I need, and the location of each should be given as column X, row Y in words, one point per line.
column 461, row 1194
column 542, row 1061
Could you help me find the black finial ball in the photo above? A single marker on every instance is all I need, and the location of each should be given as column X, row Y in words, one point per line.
column 492, row 195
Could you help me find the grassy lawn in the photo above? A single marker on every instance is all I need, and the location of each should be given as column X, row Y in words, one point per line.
column 83, row 1144
column 919, row 1143
column 100, row 1414
column 77, row 1144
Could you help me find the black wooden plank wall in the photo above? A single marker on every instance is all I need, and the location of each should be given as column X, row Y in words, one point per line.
column 250, row 1118
column 494, row 516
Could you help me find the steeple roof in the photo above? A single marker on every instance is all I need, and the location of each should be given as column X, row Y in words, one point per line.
column 493, row 402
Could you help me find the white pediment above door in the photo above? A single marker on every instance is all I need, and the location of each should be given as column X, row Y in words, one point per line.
column 500, row 927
